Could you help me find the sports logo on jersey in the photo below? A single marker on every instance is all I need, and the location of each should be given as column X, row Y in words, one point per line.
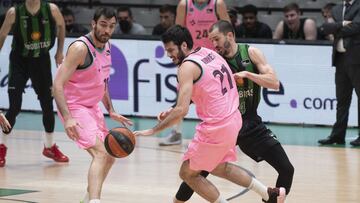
column 192, row 22
column 209, row 10
column 107, row 53
column 35, row 35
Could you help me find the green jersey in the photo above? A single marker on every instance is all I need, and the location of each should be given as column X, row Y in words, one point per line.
column 34, row 35
column 249, row 91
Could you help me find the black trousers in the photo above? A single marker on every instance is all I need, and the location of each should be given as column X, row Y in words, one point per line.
column 39, row 71
column 347, row 78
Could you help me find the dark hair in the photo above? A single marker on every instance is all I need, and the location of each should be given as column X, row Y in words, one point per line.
column 292, row 6
column 249, row 9
column 167, row 8
column 67, row 12
column 223, row 26
column 125, row 8
column 178, row 35
column 103, row 11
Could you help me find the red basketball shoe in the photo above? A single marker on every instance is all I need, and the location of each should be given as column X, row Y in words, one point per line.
column 3, row 149
column 54, row 153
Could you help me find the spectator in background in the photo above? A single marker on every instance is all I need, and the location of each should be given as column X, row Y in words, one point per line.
column 346, row 59
column 127, row 24
column 294, row 27
column 326, row 13
column 70, row 25
column 251, row 27
column 198, row 16
column 167, row 19
column 233, row 17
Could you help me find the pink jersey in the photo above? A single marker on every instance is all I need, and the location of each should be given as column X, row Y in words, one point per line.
column 214, row 93
column 86, row 87
column 199, row 20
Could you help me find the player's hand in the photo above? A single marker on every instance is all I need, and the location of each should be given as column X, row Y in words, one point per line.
column 239, row 77
column 119, row 118
column 144, row 132
column 70, row 128
column 4, row 123
column 59, row 56
column 162, row 115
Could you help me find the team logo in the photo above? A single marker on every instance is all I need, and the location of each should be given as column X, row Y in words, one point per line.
column 192, row 22
column 108, row 53
column 209, row 10
column 35, row 36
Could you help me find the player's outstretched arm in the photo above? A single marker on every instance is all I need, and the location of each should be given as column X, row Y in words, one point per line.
column 187, row 73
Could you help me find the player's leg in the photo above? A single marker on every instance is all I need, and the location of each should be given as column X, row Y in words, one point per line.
column 41, row 78
column 277, row 158
column 18, row 76
column 185, row 192
column 239, row 176
column 198, row 183
column 99, row 168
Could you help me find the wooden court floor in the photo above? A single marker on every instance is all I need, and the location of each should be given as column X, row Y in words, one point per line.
column 150, row 174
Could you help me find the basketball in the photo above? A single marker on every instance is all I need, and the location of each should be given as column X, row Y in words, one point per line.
column 120, row 142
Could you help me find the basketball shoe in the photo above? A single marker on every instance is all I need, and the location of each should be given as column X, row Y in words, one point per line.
column 174, row 138
column 3, row 149
column 54, row 153
column 276, row 195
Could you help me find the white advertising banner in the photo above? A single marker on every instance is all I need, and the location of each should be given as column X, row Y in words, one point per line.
column 143, row 82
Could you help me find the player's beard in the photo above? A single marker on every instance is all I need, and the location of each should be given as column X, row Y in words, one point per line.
column 226, row 48
column 180, row 57
column 101, row 38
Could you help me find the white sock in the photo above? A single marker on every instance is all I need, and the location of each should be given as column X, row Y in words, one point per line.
column 178, row 127
column 48, row 140
column 3, row 138
column 259, row 188
column 86, row 198
column 94, row 201
column 220, row 200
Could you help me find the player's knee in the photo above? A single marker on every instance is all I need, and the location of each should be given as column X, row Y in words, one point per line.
column 110, row 160
column 290, row 170
column 185, row 175
column 101, row 155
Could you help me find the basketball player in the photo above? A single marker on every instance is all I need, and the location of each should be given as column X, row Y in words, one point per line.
column 35, row 24
column 80, row 84
column 197, row 16
column 253, row 72
column 206, row 80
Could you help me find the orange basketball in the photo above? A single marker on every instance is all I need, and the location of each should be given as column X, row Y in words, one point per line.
column 120, row 142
